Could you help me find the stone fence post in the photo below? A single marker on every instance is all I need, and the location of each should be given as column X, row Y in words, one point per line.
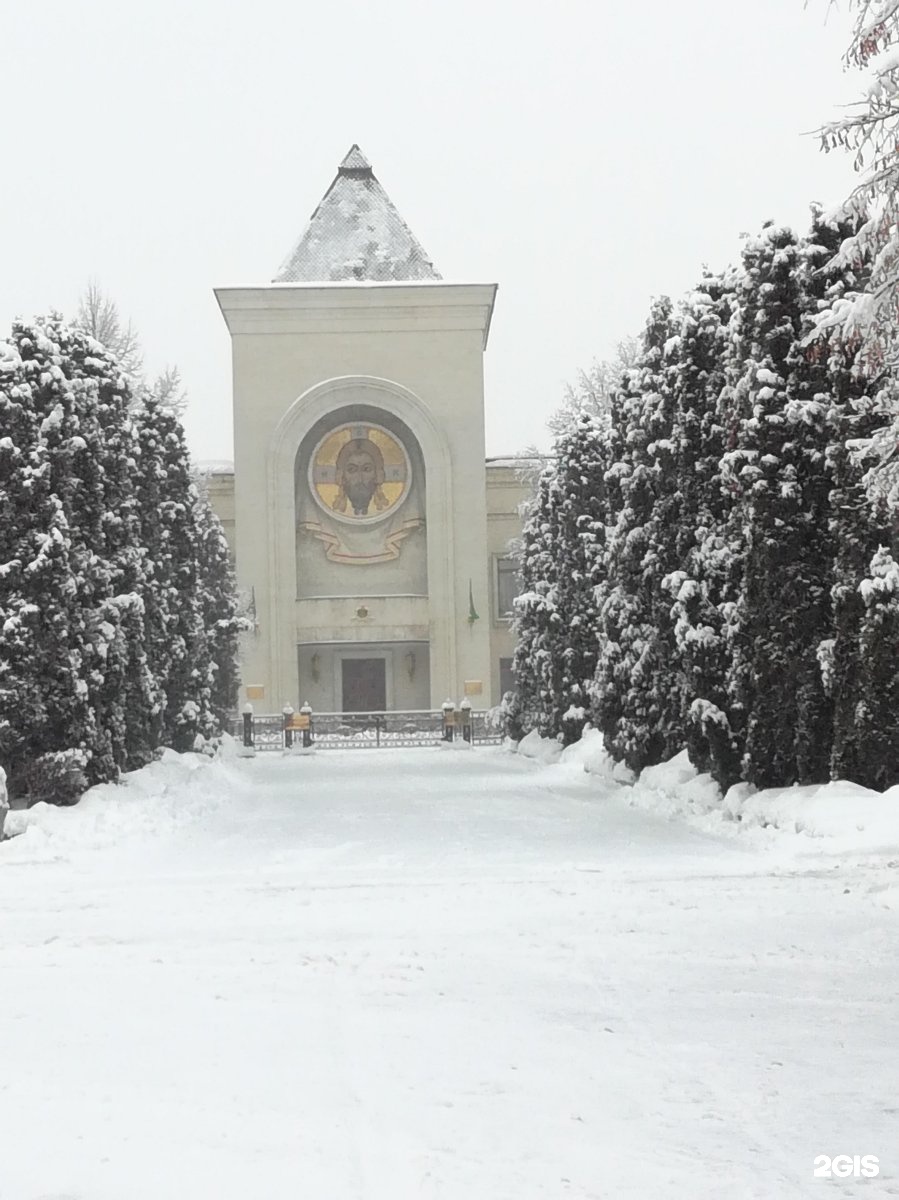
column 465, row 710
column 287, row 714
column 308, row 728
column 449, row 720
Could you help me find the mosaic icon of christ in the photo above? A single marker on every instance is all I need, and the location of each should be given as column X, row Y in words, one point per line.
column 360, row 476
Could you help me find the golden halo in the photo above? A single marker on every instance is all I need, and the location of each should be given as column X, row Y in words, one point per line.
column 388, row 475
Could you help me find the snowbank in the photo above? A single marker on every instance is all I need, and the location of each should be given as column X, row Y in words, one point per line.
column 832, row 810
column 159, row 799
column 838, row 816
column 590, row 754
column 587, row 753
column 542, row 750
column 676, row 789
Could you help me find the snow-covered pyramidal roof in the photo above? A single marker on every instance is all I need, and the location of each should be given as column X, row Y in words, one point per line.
column 356, row 233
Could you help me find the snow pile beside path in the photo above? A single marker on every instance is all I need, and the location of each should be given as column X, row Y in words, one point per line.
column 854, row 814
column 587, row 753
column 676, row 789
column 161, row 798
column 839, row 815
column 590, row 754
column 543, row 750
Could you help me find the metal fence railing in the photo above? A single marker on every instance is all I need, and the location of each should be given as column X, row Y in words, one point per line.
column 364, row 730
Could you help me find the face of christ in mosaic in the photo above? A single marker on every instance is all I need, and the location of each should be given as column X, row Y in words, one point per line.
column 360, row 474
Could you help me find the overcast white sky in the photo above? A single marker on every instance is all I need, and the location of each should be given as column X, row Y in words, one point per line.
column 586, row 155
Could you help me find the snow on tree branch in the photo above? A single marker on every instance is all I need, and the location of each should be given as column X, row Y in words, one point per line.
column 870, row 133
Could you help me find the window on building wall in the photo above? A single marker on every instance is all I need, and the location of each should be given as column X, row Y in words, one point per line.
column 506, row 676
column 507, row 586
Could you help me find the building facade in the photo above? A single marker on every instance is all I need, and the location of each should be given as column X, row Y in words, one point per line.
column 370, row 535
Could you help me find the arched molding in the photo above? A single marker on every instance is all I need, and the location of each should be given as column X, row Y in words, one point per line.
column 322, row 400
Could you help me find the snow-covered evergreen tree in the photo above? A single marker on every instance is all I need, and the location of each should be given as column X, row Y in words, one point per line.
column 768, row 469
column 44, row 684
column 117, row 607
column 581, row 518
column 540, row 638
column 857, row 526
column 633, row 682
column 877, row 710
column 858, row 521
column 706, row 555
column 711, row 542
column 105, row 522
column 778, row 469
column 221, row 619
column 177, row 642
column 868, row 130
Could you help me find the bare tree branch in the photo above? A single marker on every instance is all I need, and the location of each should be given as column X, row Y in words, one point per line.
column 98, row 315
column 168, row 390
column 594, row 388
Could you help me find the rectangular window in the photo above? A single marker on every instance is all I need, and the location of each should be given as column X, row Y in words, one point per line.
column 507, row 586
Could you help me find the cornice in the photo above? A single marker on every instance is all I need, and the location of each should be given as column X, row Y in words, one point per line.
column 310, row 309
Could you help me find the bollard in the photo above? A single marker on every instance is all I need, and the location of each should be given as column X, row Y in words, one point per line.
column 306, row 711
column 449, row 720
column 287, row 713
column 465, row 709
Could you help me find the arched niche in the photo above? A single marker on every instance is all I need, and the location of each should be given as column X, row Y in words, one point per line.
column 304, row 415
column 375, row 548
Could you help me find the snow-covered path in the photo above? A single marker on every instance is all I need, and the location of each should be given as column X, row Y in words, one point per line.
column 420, row 974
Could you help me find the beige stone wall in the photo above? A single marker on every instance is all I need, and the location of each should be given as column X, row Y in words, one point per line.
column 415, row 353
column 324, row 623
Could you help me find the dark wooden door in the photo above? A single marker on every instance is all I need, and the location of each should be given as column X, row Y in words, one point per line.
column 364, row 684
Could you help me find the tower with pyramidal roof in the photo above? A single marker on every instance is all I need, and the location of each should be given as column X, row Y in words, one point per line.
column 360, row 526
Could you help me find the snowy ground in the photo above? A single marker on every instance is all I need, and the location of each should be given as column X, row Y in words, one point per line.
column 393, row 975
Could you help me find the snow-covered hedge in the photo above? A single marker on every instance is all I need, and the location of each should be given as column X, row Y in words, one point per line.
column 711, row 521
column 842, row 815
column 118, row 611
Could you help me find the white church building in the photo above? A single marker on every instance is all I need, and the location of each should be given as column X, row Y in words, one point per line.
column 369, row 531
